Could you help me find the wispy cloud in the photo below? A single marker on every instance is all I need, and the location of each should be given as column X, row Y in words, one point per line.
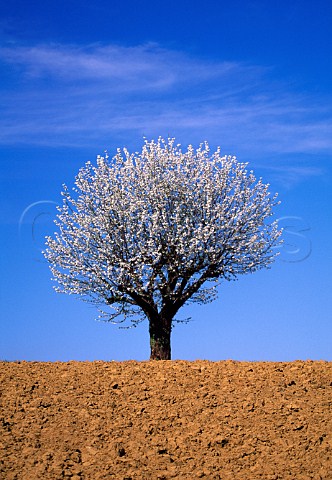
column 115, row 68
column 70, row 95
column 292, row 173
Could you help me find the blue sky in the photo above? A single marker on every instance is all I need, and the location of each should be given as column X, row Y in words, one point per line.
column 254, row 77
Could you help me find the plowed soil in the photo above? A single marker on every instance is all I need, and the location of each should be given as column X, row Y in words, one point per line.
column 166, row 420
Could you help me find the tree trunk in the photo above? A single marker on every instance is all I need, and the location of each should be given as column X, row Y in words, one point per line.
column 160, row 338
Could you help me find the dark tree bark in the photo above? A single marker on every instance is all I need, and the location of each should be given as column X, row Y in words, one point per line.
column 160, row 338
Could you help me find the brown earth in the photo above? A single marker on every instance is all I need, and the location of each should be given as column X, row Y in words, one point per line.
column 163, row 420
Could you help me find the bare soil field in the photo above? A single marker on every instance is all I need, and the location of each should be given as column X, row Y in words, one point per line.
column 166, row 420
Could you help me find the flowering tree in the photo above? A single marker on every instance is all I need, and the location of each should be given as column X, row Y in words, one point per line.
column 145, row 233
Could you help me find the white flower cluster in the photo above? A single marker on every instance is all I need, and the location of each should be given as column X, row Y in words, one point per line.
column 147, row 232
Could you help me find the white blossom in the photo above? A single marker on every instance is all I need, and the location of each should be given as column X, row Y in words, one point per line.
column 144, row 233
